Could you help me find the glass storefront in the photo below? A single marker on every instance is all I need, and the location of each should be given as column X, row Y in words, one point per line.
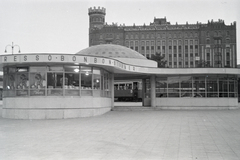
column 56, row 81
column 197, row 86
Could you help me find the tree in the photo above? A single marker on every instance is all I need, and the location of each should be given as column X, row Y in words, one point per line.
column 159, row 59
column 203, row 64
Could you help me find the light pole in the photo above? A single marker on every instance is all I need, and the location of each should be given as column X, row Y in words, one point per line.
column 12, row 46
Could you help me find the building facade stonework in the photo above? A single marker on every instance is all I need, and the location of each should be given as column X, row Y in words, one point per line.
column 210, row 45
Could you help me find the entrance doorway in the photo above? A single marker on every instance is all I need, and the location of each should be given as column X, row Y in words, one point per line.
column 128, row 93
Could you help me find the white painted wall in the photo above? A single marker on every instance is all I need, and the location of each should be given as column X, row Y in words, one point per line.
column 54, row 107
column 193, row 103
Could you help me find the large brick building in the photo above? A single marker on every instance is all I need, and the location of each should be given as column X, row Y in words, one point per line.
column 211, row 44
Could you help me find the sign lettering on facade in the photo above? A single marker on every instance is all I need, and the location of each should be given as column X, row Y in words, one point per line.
column 67, row 58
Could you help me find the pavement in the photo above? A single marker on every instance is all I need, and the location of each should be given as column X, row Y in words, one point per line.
column 126, row 135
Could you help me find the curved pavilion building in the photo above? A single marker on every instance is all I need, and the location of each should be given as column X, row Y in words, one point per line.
column 58, row 86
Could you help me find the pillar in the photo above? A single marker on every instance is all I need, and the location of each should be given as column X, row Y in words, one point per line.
column 112, row 91
column 143, row 91
column 153, row 90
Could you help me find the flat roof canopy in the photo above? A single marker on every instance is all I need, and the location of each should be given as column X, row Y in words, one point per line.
column 115, row 66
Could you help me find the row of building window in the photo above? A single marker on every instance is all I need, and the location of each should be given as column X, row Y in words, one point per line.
column 162, row 35
column 56, row 81
column 218, row 33
column 195, row 86
column 96, row 19
column 161, row 43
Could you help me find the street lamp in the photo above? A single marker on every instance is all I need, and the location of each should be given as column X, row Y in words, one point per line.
column 12, row 46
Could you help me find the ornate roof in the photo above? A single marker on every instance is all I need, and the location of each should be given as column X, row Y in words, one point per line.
column 111, row 50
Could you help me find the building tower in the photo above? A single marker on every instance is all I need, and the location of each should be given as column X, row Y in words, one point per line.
column 96, row 17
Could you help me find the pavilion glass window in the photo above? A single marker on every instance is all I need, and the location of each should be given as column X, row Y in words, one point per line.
column 86, row 80
column 232, row 86
column 9, row 83
column 96, row 82
column 22, row 81
column 71, row 80
column 223, row 86
column 107, row 88
column 199, row 87
column 37, row 78
column 186, row 86
column 212, row 86
column 173, row 86
column 161, row 87
column 55, row 81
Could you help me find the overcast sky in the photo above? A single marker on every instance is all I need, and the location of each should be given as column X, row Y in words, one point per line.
column 61, row 26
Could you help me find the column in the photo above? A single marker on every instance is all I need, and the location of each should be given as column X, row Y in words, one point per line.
column 143, row 91
column 153, row 91
column 112, row 91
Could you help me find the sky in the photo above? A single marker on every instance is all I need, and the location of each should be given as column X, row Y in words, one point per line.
column 61, row 26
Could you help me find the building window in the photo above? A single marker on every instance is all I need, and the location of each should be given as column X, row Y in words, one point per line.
column 152, row 35
column 164, row 35
column 136, row 36
column 174, row 42
column 228, row 33
column 169, row 35
column 179, row 42
column 196, row 42
column 196, row 34
column 180, row 35
column 136, row 43
column 152, row 43
column 163, row 49
column 179, row 49
column 207, row 34
column 174, row 49
column 227, row 41
column 191, row 42
column 127, row 43
column 147, row 36
column 131, row 43
column 136, row 48
column 208, row 41
column 186, row 49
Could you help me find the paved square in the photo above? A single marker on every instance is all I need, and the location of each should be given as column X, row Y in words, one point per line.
column 136, row 135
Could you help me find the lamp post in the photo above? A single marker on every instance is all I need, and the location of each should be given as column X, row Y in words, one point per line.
column 12, row 46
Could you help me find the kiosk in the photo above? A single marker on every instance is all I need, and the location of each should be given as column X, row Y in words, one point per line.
column 58, row 86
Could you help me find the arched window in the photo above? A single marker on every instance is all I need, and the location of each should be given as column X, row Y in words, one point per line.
column 207, row 34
